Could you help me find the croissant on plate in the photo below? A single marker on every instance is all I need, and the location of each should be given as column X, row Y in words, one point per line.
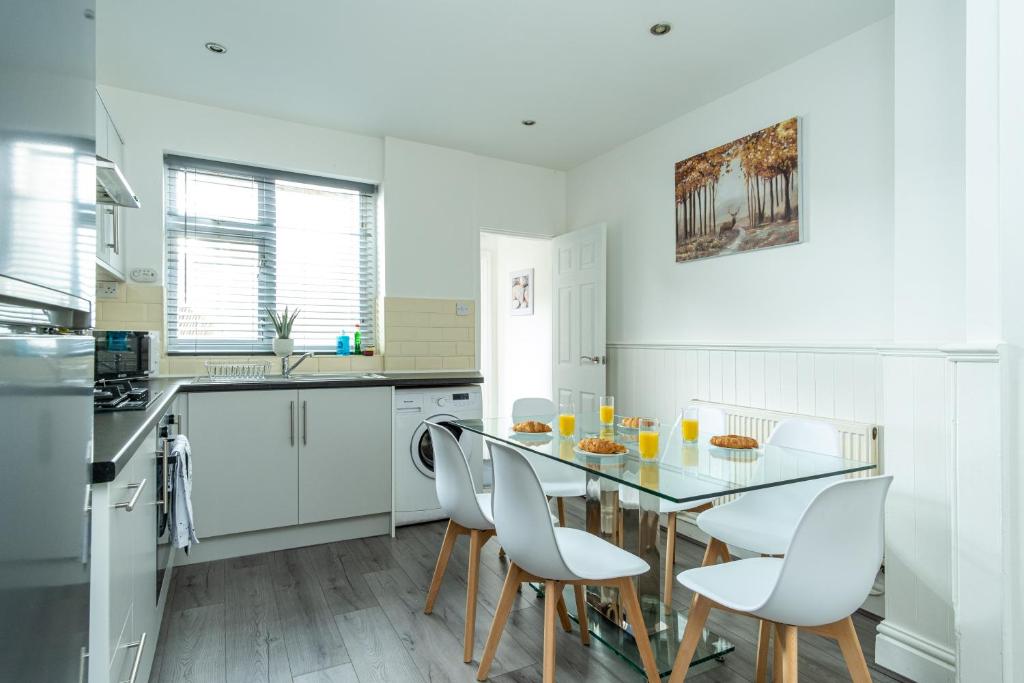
column 733, row 441
column 601, row 446
column 531, row 427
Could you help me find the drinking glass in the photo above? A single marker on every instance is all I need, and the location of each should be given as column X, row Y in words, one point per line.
column 567, row 417
column 647, row 438
column 690, row 424
column 607, row 410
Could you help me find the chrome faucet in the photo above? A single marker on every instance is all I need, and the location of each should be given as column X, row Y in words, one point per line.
column 286, row 369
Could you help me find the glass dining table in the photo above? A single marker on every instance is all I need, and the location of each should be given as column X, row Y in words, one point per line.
column 626, row 495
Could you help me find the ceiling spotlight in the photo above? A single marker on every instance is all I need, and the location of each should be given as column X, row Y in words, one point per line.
column 529, row 122
column 660, row 29
column 216, row 48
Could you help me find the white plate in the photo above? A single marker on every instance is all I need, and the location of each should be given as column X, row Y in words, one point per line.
column 579, row 451
column 735, row 453
column 532, row 436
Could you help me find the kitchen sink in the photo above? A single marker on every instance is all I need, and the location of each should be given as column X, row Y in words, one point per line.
column 330, row 376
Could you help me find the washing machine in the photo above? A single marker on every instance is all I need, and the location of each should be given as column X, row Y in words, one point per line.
column 415, row 494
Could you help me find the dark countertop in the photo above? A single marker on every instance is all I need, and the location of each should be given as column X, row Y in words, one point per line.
column 117, row 435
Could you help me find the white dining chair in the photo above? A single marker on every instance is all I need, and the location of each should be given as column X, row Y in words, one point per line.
column 469, row 513
column 712, row 422
column 559, row 481
column 763, row 520
column 557, row 557
column 827, row 571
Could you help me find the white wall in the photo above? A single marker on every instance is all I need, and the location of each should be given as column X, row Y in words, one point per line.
column 522, row 343
column 837, row 285
column 438, row 199
column 435, row 200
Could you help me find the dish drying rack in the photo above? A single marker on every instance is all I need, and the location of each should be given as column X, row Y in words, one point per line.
column 234, row 371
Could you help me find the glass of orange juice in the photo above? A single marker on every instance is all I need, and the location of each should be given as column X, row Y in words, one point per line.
column 607, row 410
column 647, row 438
column 567, row 417
column 690, row 424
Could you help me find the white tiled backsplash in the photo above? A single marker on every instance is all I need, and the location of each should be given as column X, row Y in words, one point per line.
column 427, row 334
column 420, row 334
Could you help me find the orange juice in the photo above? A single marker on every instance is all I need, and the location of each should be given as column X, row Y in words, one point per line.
column 691, row 428
column 566, row 424
column 607, row 414
column 648, row 444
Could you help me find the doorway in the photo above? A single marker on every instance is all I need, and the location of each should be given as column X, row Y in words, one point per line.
column 515, row 319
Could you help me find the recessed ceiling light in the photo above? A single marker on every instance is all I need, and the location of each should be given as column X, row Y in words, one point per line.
column 529, row 122
column 661, row 29
column 216, row 48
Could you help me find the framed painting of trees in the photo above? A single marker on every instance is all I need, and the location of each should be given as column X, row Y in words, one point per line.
column 741, row 196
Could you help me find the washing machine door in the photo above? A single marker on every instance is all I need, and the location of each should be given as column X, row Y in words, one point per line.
column 422, row 450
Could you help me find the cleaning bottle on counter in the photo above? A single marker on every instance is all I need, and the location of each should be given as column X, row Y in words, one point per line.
column 343, row 344
column 356, row 341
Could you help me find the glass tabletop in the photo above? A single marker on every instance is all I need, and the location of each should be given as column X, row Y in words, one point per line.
column 679, row 471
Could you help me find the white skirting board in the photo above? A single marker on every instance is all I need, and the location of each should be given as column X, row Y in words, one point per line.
column 916, row 658
column 267, row 540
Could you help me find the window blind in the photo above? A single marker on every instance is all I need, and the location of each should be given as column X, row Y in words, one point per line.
column 241, row 240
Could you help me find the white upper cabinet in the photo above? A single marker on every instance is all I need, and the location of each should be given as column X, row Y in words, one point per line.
column 109, row 230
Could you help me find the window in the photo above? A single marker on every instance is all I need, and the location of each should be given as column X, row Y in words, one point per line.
column 242, row 240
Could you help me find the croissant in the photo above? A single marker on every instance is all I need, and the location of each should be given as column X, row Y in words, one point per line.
column 733, row 441
column 601, row 446
column 531, row 427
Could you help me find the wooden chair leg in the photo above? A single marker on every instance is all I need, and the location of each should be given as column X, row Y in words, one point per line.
column 715, row 551
column 849, row 643
column 501, row 553
column 764, row 629
column 777, row 655
column 550, row 604
column 508, row 596
column 627, row 592
column 561, row 512
column 563, row 613
column 475, row 543
column 581, row 613
column 790, row 659
column 670, row 558
column 450, row 534
column 695, row 621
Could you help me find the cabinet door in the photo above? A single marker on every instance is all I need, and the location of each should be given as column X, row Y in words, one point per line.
column 121, row 534
column 105, row 217
column 345, row 453
column 143, row 531
column 244, row 460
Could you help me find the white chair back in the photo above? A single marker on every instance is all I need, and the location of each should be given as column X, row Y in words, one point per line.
column 521, row 517
column 456, row 491
column 807, row 435
column 834, row 555
column 533, row 408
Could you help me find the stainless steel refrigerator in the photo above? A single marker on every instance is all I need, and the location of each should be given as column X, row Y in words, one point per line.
column 47, row 285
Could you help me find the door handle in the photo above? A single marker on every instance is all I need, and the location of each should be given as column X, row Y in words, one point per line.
column 139, row 646
column 164, row 457
column 130, row 505
column 291, row 422
column 304, row 426
column 594, row 360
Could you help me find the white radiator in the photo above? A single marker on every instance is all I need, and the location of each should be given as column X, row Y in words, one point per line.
column 858, row 440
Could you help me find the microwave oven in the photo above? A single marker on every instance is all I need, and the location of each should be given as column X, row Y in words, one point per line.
column 122, row 354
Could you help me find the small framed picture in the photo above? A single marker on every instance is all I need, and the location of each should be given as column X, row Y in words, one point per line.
column 522, row 291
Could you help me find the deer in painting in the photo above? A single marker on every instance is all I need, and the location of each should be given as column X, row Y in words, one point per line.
column 731, row 223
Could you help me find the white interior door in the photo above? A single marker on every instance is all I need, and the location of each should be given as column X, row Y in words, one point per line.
column 578, row 328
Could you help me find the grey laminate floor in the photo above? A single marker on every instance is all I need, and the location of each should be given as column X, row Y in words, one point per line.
column 352, row 612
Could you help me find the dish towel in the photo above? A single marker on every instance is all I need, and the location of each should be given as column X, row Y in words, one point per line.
column 183, row 527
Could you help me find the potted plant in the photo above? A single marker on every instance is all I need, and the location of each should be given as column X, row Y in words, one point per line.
column 282, row 322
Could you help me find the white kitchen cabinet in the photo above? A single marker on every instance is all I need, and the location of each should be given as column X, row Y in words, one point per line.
column 109, row 231
column 245, row 460
column 344, row 453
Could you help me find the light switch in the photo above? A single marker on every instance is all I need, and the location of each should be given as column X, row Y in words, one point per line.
column 461, row 308
column 143, row 275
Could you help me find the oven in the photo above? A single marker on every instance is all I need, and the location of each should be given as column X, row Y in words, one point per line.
column 167, row 430
column 124, row 354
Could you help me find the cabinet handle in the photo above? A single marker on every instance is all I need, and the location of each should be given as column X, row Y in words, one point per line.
column 117, row 230
column 130, row 505
column 291, row 422
column 139, row 646
column 165, row 496
column 304, row 428
column 113, row 231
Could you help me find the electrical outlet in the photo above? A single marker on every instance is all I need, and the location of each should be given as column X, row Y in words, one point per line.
column 143, row 274
column 461, row 308
column 106, row 290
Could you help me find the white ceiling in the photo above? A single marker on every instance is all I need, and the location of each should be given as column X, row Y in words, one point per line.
column 463, row 73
